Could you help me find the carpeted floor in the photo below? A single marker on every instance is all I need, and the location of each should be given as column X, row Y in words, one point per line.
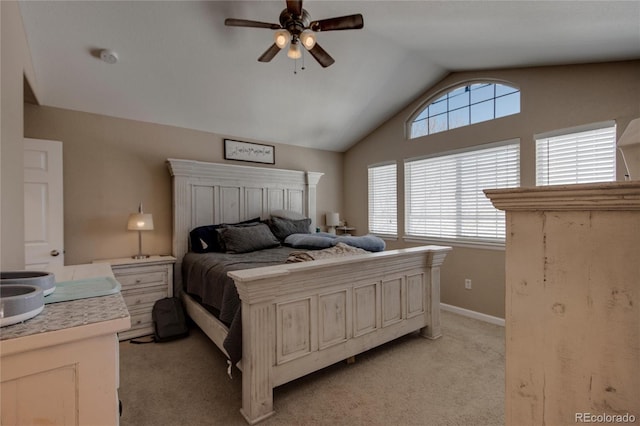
column 455, row 380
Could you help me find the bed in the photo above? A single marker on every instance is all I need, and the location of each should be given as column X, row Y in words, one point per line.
column 299, row 317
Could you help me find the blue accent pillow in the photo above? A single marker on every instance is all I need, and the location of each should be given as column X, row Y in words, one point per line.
column 310, row 241
column 325, row 234
column 205, row 239
column 365, row 242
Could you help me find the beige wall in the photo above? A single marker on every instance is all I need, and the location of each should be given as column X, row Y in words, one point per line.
column 551, row 98
column 15, row 67
column 112, row 164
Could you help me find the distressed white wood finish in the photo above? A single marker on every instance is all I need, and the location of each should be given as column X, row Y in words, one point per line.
column 298, row 318
column 366, row 308
column 313, row 314
column 572, row 301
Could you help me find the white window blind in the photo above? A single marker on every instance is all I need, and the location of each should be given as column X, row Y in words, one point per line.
column 383, row 201
column 577, row 157
column 444, row 197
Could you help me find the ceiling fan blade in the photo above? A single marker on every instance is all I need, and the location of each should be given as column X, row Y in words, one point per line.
column 321, row 56
column 252, row 24
column 294, row 7
column 270, row 53
column 350, row 22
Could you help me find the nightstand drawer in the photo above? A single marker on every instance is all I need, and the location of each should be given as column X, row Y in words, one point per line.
column 141, row 320
column 134, row 299
column 138, row 280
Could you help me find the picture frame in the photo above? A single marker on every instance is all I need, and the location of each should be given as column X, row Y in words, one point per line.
column 249, row 151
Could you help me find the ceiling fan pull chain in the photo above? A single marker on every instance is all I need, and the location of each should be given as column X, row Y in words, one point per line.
column 295, row 64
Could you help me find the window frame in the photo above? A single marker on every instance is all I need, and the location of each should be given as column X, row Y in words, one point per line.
column 449, row 111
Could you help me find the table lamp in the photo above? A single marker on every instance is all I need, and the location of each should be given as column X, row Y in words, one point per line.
column 333, row 220
column 140, row 222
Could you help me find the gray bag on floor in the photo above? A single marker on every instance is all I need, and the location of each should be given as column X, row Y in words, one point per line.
column 169, row 321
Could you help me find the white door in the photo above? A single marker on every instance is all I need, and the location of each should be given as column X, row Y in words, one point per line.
column 43, row 204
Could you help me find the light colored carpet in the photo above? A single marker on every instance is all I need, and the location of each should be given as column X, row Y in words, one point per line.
column 455, row 380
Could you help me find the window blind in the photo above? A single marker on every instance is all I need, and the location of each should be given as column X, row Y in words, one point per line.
column 578, row 157
column 383, row 202
column 444, row 197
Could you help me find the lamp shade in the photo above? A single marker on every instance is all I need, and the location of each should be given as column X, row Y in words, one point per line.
column 308, row 39
column 281, row 38
column 333, row 219
column 140, row 222
column 294, row 50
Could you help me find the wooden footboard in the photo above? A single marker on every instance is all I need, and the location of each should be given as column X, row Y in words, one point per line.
column 298, row 318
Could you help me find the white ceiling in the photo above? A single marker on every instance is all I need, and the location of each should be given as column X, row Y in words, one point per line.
column 180, row 65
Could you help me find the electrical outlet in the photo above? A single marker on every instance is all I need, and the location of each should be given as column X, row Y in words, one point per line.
column 467, row 283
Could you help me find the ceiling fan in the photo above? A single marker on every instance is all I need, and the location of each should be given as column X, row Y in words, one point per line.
column 296, row 28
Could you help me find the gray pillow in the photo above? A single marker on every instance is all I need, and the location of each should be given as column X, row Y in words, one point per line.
column 238, row 239
column 204, row 239
column 282, row 228
column 288, row 214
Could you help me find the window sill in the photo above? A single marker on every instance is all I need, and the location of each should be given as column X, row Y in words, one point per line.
column 386, row 237
column 485, row 245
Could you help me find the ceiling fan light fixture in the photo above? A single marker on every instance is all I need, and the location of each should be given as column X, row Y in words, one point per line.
column 308, row 39
column 295, row 28
column 281, row 38
column 294, row 50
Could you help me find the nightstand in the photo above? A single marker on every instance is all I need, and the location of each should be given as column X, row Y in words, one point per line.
column 143, row 282
column 344, row 230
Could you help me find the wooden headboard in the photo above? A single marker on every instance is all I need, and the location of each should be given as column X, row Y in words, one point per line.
column 211, row 193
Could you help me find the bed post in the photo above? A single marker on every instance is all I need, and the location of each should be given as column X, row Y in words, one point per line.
column 312, row 179
column 258, row 349
column 181, row 225
column 432, row 313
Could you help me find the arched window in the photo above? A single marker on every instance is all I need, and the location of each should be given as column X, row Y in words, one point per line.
column 465, row 105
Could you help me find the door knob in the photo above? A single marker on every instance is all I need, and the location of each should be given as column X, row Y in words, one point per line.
column 54, row 253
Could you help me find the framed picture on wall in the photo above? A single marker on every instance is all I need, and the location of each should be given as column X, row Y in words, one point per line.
column 249, row 151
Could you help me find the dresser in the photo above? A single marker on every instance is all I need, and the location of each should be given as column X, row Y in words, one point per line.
column 62, row 366
column 143, row 282
column 572, row 303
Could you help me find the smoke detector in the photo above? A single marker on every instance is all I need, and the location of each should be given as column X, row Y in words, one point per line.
column 108, row 56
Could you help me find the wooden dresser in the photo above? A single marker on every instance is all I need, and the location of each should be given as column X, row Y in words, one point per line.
column 572, row 303
column 143, row 282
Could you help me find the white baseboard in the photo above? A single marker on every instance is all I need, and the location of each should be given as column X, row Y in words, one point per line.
column 472, row 314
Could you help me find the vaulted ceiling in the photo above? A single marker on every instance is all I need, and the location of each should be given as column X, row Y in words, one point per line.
column 180, row 65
